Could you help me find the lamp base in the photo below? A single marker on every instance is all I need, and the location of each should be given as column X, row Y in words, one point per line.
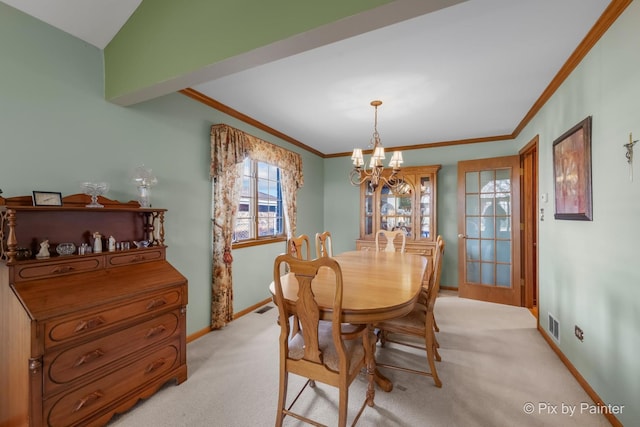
column 144, row 196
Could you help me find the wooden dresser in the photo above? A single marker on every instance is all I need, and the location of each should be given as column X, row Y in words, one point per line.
column 85, row 336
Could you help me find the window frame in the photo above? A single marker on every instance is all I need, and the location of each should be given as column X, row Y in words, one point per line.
column 257, row 240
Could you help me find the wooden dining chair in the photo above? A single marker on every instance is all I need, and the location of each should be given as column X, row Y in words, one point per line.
column 324, row 244
column 300, row 247
column 425, row 297
column 418, row 323
column 318, row 351
column 390, row 237
column 435, row 324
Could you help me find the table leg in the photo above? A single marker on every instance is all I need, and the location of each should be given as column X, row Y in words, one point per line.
column 375, row 376
column 383, row 382
column 369, row 348
column 378, row 378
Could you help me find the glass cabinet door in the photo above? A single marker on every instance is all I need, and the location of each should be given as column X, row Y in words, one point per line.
column 395, row 211
column 425, row 197
column 368, row 209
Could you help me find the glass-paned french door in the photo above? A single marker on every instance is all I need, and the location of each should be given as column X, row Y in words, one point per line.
column 489, row 229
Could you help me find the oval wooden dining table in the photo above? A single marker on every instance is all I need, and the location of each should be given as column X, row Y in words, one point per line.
column 377, row 286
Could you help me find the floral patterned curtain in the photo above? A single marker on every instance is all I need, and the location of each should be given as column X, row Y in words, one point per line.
column 229, row 147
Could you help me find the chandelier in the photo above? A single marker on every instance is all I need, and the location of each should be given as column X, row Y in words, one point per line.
column 373, row 173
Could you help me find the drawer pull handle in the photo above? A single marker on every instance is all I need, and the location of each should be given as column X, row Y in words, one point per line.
column 156, row 303
column 137, row 258
column 155, row 331
column 89, row 324
column 87, row 400
column 154, row 365
column 62, row 269
column 89, row 357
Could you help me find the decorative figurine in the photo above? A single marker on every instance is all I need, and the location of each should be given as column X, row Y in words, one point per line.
column 141, row 244
column 112, row 244
column 44, row 250
column 97, row 242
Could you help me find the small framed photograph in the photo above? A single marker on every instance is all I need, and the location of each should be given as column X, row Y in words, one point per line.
column 572, row 172
column 47, row 198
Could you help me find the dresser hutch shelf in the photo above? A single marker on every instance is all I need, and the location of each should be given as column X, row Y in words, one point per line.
column 85, row 336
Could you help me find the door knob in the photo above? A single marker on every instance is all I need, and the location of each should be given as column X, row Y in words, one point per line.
column 462, row 236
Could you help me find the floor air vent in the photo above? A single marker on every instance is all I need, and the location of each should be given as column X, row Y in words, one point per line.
column 264, row 309
column 554, row 327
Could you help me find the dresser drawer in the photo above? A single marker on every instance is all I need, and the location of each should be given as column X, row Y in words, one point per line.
column 135, row 257
column 68, row 365
column 61, row 330
column 57, row 268
column 71, row 408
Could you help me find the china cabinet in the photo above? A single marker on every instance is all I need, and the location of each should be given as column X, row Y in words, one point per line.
column 85, row 336
column 412, row 209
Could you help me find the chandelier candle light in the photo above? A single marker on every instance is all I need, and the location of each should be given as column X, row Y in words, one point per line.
column 373, row 173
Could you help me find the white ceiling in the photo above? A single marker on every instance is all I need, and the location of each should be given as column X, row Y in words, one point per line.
column 471, row 70
column 94, row 21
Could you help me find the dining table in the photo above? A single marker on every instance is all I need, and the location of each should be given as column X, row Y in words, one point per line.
column 377, row 286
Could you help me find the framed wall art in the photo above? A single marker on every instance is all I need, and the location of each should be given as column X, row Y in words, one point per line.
column 572, row 173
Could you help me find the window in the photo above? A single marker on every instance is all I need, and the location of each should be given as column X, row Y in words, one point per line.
column 260, row 213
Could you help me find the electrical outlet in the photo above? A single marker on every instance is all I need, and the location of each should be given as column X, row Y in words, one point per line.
column 579, row 333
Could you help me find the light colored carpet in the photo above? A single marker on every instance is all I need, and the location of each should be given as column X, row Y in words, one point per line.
column 494, row 364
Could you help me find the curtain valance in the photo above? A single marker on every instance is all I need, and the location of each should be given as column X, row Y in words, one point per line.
column 230, row 146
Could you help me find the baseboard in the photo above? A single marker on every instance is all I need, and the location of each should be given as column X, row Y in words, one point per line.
column 251, row 309
column 448, row 288
column 583, row 383
column 205, row 331
column 202, row 332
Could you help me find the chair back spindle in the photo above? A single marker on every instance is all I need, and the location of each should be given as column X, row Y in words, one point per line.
column 324, row 244
column 390, row 237
column 299, row 247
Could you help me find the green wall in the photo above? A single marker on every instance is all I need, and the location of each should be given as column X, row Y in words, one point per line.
column 588, row 269
column 56, row 130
